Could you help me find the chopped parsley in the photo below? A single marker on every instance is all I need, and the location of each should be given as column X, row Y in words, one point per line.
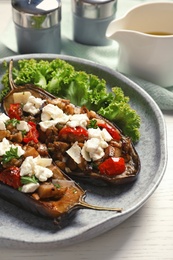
column 57, row 185
column 23, row 132
column 92, row 123
column 9, row 155
column 12, row 121
column 28, row 179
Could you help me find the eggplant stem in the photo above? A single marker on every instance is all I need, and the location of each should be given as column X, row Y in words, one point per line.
column 84, row 204
column 11, row 82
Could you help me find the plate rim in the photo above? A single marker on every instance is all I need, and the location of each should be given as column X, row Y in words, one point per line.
column 137, row 88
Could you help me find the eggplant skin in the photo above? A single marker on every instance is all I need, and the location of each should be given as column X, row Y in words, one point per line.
column 27, row 203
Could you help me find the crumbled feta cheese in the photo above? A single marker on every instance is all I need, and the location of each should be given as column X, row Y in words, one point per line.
column 78, row 120
column 37, row 102
column 42, row 173
column 98, row 154
column 2, row 126
column 36, row 166
column 33, row 105
column 23, row 126
column 6, row 146
column 105, row 135
column 52, row 115
column 100, row 134
column 27, row 167
column 75, row 152
column 94, row 133
column 30, row 187
column 30, row 108
column 3, row 119
column 93, row 147
column 47, row 124
column 92, row 144
column 51, row 112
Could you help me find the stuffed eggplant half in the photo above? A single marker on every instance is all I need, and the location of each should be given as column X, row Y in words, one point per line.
column 43, row 139
column 80, row 142
column 30, row 178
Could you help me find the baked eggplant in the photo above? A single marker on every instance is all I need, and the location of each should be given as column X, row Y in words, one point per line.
column 79, row 142
column 29, row 177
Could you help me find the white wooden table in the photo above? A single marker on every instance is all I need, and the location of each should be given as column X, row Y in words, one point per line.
column 146, row 235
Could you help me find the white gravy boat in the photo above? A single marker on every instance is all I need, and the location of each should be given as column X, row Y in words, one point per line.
column 145, row 38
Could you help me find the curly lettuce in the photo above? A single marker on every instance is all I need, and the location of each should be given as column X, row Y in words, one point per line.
column 61, row 79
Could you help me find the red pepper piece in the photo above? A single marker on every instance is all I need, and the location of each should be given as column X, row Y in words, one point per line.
column 69, row 133
column 15, row 111
column 32, row 135
column 11, row 177
column 111, row 130
column 112, row 166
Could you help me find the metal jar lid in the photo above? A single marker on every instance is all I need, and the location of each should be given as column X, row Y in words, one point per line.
column 38, row 14
column 94, row 9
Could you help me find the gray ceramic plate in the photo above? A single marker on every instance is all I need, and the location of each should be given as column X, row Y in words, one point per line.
column 22, row 229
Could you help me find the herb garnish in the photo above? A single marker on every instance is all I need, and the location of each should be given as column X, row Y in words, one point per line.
column 28, row 179
column 57, row 185
column 12, row 121
column 23, row 132
column 10, row 154
column 92, row 123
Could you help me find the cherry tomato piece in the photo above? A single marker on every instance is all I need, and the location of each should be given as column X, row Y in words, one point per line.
column 112, row 166
column 15, row 111
column 32, row 135
column 112, row 131
column 11, row 177
column 71, row 134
